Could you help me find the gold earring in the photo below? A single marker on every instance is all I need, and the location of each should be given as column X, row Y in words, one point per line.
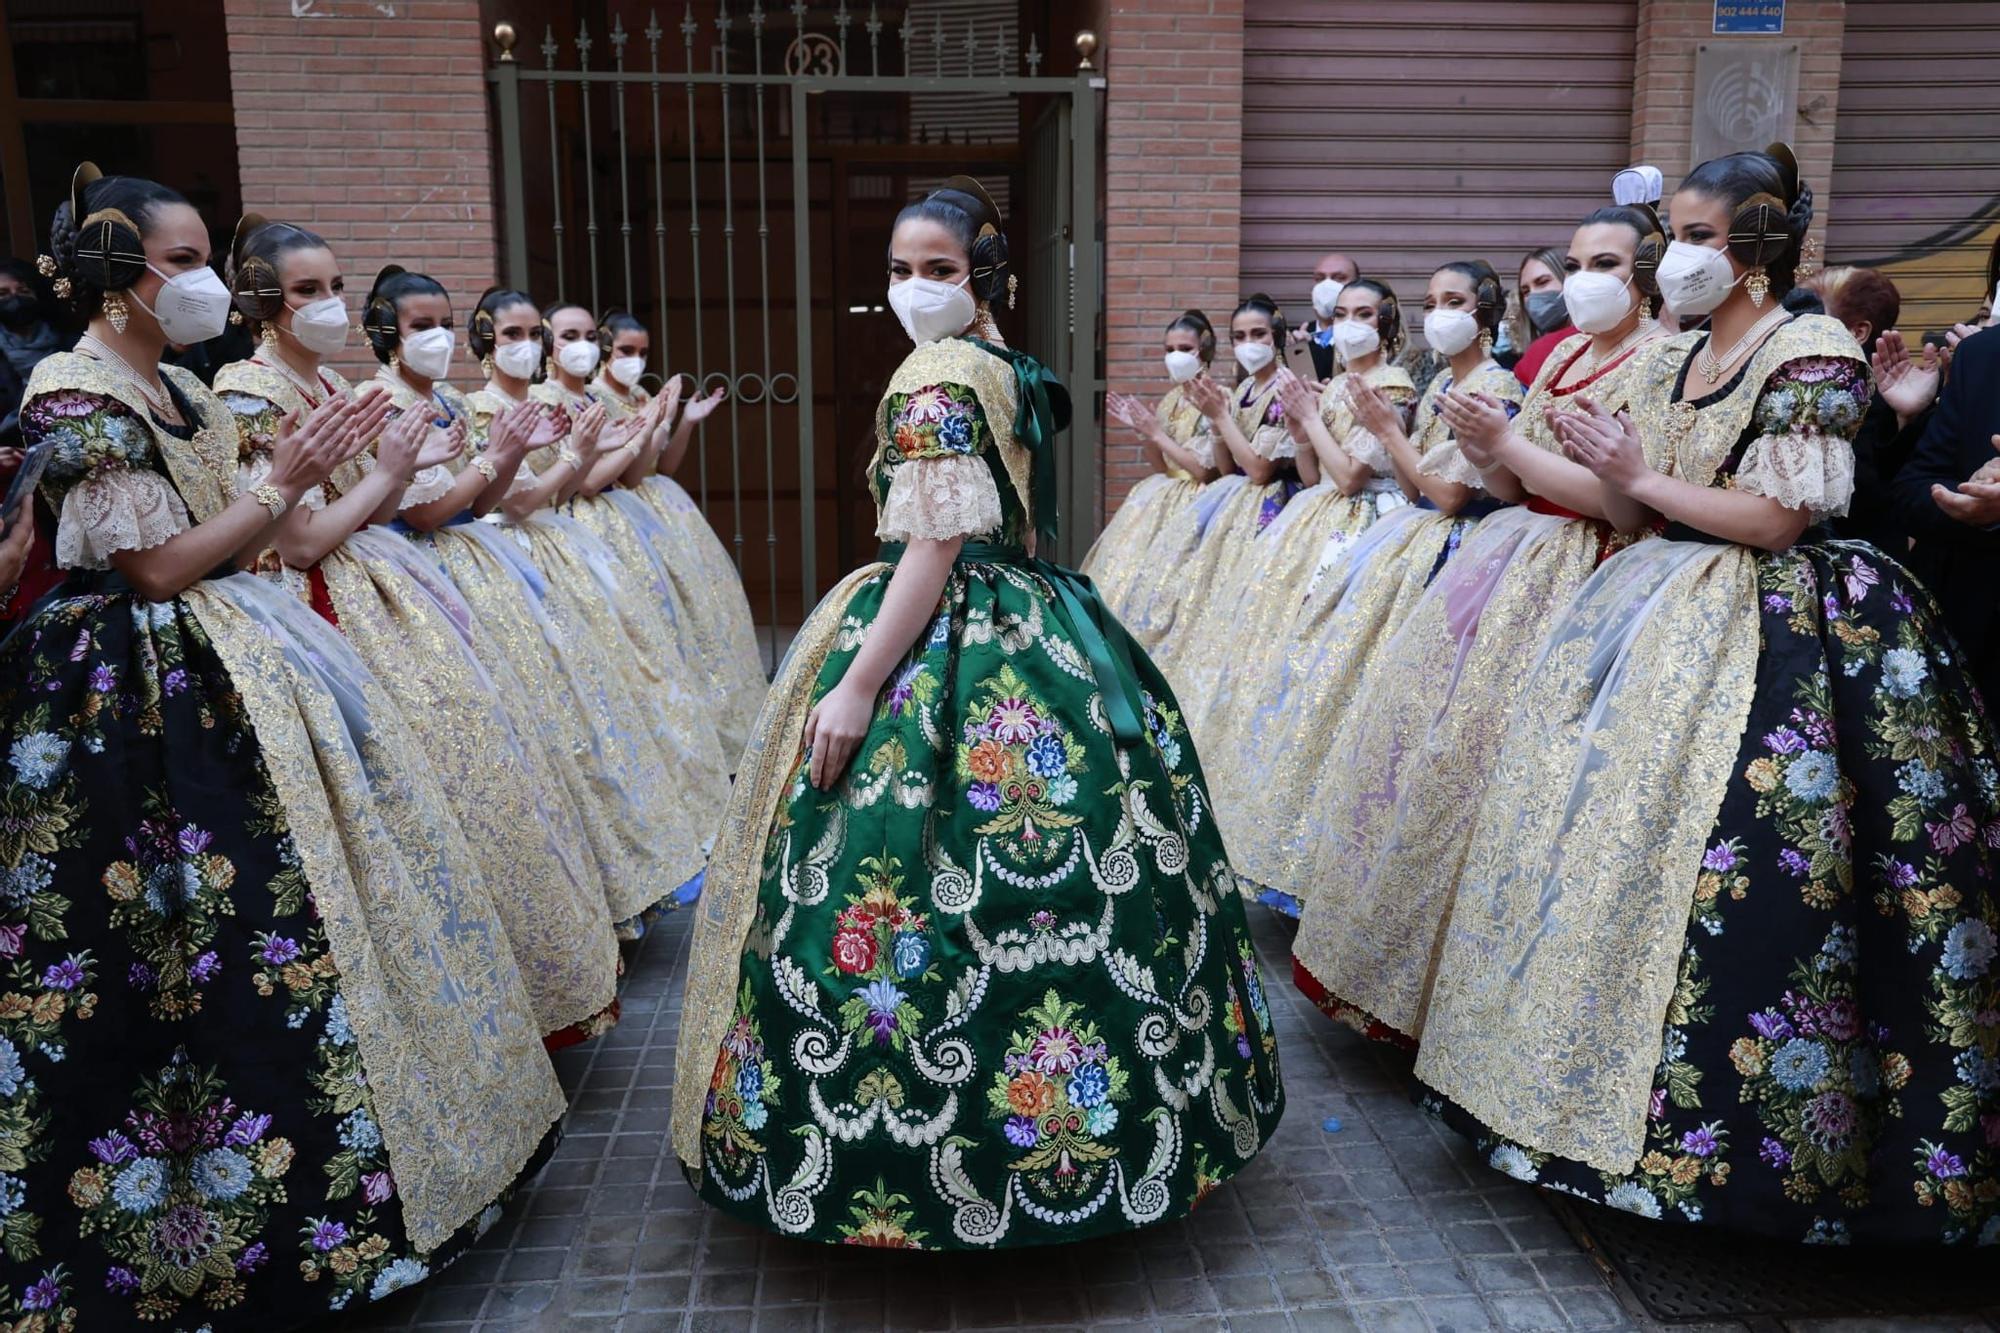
column 269, row 337
column 395, row 360
column 486, row 365
column 1645, row 307
column 1485, row 342
column 1013, row 286
column 115, row 311
column 1758, row 285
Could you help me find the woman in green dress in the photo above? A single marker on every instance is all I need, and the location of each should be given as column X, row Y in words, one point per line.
column 969, row 971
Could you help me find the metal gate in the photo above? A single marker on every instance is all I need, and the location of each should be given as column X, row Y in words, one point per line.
column 798, row 122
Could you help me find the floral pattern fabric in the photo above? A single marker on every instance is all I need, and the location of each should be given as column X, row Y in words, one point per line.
column 998, row 989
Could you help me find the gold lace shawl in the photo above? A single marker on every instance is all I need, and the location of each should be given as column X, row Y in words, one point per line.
column 437, row 1008
column 1563, row 954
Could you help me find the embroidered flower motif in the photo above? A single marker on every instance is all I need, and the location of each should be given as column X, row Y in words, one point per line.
column 39, row 758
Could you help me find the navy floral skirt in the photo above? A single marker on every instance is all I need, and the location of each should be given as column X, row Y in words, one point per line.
column 1830, row 1064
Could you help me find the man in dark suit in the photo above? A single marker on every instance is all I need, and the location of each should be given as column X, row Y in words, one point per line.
column 1948, row 496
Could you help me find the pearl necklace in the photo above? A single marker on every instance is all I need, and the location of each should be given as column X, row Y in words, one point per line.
column 153, row 392
column 314, row 393
column 1711, row 366
column 1645, row 329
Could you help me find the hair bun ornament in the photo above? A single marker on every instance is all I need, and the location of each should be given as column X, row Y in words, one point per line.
column 1788, row 165
column 253, row 284
column 1642, row 184
column 110, row 255
column 1761, row 231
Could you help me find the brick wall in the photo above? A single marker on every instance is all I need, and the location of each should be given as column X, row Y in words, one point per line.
column 1663, row 83
column 369, row 127
column 1173, row 180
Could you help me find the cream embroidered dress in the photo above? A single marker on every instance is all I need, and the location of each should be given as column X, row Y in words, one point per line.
column 1117, row 562
column 995, row 988
column 1724, row 950
column 273, row 1053
column 1416, row 749
column 403, row 616
column 715, row 623
column 1286, row 560
column 1283, row 726
column 1205, row 544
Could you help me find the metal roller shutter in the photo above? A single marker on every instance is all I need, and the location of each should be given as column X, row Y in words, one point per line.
column 1916, row 157
column 1410, row 134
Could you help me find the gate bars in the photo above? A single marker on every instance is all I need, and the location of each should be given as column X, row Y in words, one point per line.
column 814, row 63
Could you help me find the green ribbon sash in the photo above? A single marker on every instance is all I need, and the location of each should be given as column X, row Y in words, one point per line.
column 1081, row 613
column 1044, row 412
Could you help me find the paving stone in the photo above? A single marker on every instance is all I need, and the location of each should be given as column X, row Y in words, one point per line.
column 1528, row 1313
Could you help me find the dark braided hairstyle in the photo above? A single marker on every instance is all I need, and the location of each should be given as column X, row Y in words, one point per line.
column 1771, row 209
column 255, row 259
column 378, row 317
column 1652, row 247
column 1388, row 315
column 97, row 237
column 480, row 333
column 1487, row 290
column 962, row 207
column 1265, row 306
column 1193, row 321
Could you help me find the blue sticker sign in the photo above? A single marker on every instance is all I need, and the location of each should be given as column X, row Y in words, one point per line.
column 1764, row 17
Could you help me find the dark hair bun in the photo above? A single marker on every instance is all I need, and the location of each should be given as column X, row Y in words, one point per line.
column 254, row 287
column 378, row 316
column 105, row 249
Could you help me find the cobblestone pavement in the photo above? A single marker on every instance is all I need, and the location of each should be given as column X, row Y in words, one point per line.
column 1389, row 1223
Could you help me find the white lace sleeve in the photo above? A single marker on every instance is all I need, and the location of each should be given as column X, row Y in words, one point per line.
column 524, row 479
column 1447, row 462
column 251, row 473
column 431, row 484
column 1202, row 443
column 1362, row 446
column 938, row 499
column 1810, row 472
column 116, row 510
column 1274, row 442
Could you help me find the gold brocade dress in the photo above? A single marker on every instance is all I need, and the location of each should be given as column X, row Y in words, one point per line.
column 1724, row 951
column 1206, row 544
column 1274, row 746
column 716, row 626
column 1286, row 561
column 1415, row 751
column 271, row 998
column 411, row 626
column 543, row 592
column 1117, row 562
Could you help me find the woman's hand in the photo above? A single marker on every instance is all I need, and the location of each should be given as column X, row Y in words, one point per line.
column 443, row 444
column 507, row 434
column 1907, row 384
column 590, row 432
column 1130, row 413
column 309, row 447
column 1301, row 403
column 15, row 546
column 1372, row 408
column 1478, row 422
column 701, row 409
column 1208, row 397
column 834, row 730
column 1608, row 445
column 400, row 446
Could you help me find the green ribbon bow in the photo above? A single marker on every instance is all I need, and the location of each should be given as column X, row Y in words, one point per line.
column 1044, row 412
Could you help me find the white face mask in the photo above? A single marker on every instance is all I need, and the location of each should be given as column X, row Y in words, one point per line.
column 1450, row 332
column 1695, row 279
column 429, row 353
column 1596, row 301
column 321, row 326
column 519, row 360
column 191, row 307
column 1326, row 294
column 626, row 369
column 1182, row 366
column 1354, row 339
column 931, row 310
column 578, row 358
column 1253, row 357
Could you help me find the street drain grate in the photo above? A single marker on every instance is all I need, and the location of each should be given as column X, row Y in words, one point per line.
column 1692, row 1274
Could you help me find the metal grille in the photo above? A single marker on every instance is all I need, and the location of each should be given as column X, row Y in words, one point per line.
column 646, row 165
column 1694, row 1274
